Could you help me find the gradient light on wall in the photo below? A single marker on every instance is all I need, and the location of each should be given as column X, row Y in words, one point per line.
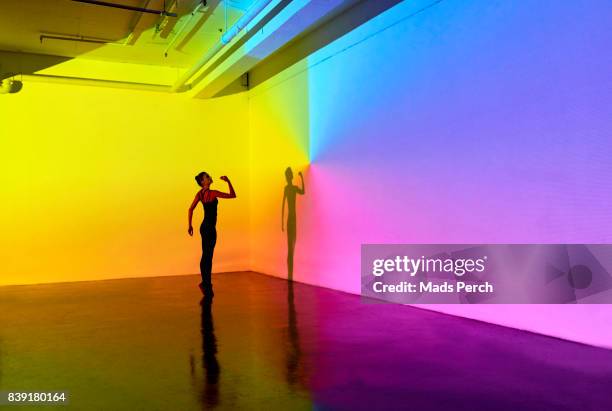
column 457, row 122
column 97, row 182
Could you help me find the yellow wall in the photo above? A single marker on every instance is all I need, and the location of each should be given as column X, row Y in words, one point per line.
column 279, row 139
column 96, row 182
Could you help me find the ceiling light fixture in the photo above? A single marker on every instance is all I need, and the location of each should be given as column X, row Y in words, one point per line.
column 10, row 86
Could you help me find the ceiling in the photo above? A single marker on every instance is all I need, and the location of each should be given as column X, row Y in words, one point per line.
column 71, row 42
column 120, row 36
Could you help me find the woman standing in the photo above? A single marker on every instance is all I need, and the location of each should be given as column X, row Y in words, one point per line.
column 208, row 229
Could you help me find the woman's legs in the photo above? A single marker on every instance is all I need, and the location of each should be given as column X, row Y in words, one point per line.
column 209, row 240
column 291, row 236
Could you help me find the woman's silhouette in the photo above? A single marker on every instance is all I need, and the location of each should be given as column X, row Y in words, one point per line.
column 289, row 197
column 208, row 229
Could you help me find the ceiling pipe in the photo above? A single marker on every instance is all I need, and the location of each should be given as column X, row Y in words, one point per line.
column 74, row 38
column 125, row 7
column 79, row 81
column 229, row 35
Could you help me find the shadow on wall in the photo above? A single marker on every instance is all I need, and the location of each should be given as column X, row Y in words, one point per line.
column 289, row 196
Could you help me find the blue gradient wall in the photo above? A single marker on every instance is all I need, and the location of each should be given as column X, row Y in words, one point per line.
column 453, row 121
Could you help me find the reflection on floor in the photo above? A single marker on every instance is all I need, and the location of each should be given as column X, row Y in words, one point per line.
column 149, row 344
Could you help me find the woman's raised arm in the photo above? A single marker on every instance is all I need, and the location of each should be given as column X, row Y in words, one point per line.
column 231, row 194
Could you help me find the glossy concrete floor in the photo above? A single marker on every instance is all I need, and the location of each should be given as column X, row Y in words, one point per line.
column 149, row 344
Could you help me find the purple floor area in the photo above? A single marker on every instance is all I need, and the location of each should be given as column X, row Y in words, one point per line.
column 152, row 344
